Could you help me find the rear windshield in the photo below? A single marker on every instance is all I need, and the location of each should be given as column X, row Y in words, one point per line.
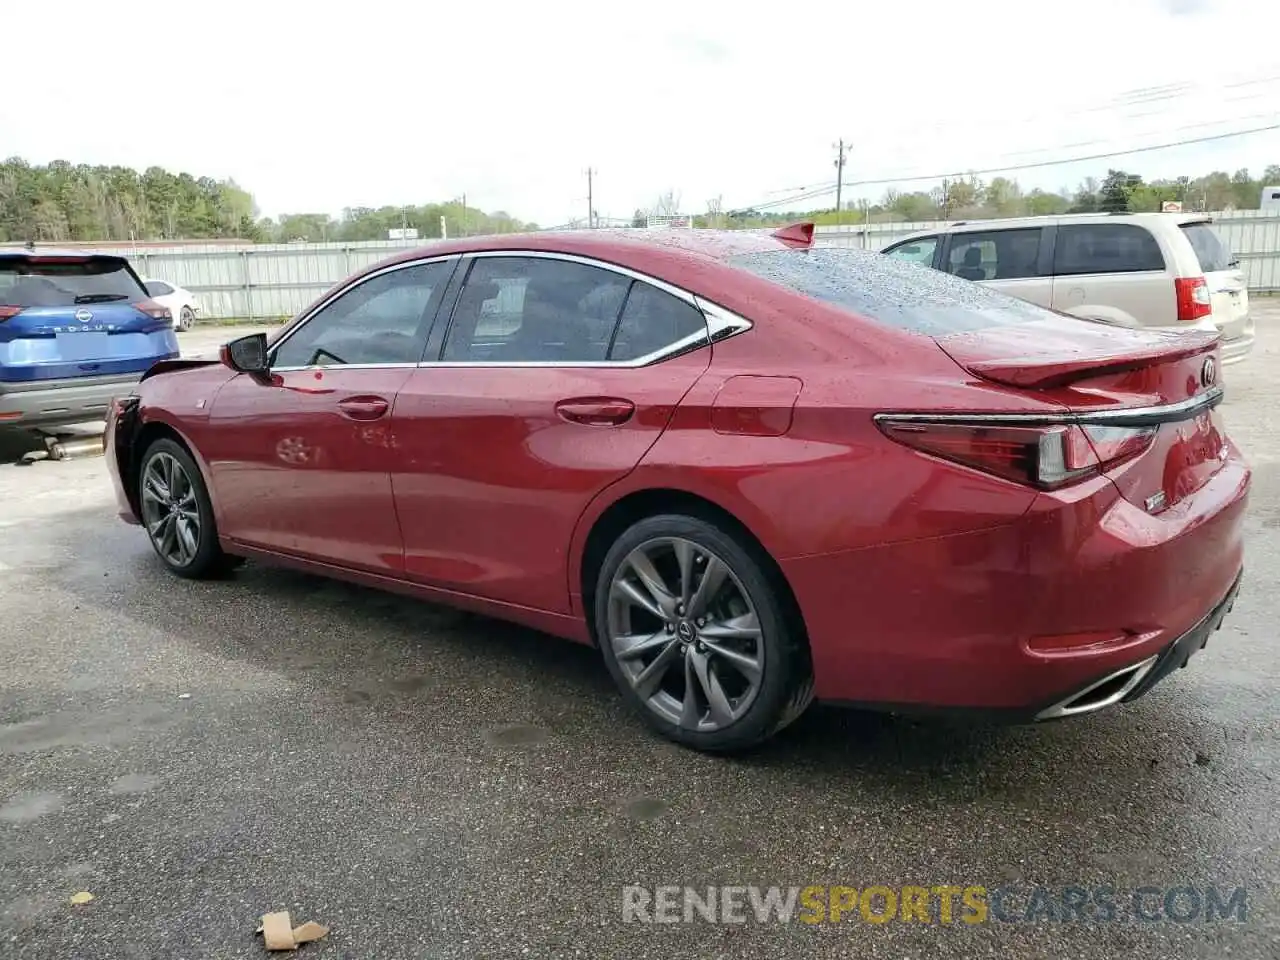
column 898, row 293
column 1210, row 250
column 66, row 283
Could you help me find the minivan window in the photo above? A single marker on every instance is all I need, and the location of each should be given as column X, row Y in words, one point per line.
column 1210, row 250
column 1105, row 248
column 919, row 250
column 995, row 254
column 893, row 292
column 66, row 283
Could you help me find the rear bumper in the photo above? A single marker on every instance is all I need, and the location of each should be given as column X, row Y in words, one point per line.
column 1133, row 681
column 1010, row 620
column 1237, row 348
column 45, row 403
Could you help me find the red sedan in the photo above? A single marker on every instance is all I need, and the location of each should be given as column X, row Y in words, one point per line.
column 751, row 471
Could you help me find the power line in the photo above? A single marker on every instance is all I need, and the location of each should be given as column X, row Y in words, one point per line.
column 826, row 189
column 1077, row 159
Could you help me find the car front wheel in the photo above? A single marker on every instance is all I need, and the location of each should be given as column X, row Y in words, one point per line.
column 186, row 318
column 694, row 633
column 177, row 513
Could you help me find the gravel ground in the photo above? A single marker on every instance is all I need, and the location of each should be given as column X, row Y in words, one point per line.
column 431, row 784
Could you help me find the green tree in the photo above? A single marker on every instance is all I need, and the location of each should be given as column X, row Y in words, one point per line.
column 1116, row 188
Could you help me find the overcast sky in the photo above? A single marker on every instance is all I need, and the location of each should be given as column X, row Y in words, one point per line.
column 314, row 107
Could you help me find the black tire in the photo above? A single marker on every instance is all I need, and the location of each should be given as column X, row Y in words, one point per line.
column 207, row 561
column 785, row 688
column 186, row 318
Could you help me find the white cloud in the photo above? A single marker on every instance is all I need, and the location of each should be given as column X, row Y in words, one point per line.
column 388, row 102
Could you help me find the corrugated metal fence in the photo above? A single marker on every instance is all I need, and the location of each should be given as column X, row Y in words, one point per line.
column 272, row 281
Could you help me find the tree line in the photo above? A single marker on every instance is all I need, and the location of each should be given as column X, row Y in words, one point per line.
column 63, row 202
column 970, row 198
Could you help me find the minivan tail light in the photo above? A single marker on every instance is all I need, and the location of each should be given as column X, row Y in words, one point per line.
column 154, row 310
column 1192, row 294
column 8, row 311
column 1046, row 457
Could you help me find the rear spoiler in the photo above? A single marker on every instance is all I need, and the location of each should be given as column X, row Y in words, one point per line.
column 799, row 235
column 1045, row 370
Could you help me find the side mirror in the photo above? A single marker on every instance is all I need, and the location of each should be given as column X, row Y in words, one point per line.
column 247, row 354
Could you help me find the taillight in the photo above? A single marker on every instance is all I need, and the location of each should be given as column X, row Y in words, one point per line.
column 154, row 310
column 1192, row 294
column 1046, row 457
column 6, row 312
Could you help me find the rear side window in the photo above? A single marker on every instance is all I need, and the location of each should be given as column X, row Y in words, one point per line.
column 995, row 255
column 66, row 283
column 653, row 320
column 1210, row 250
column 893, row 292
column 1105, row 248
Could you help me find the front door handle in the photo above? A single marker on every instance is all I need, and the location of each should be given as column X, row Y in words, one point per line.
column 596, row 411
column 363, row 408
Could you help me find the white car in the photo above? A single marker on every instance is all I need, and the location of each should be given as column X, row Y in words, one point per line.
column 181, row 303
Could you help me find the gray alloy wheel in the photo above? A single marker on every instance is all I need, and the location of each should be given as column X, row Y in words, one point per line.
column 186, row 318
column 169, row 510
column 685, row 634
column 691, row 620
column 176, row 512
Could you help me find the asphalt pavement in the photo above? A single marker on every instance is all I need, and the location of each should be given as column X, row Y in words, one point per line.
column 433, row 784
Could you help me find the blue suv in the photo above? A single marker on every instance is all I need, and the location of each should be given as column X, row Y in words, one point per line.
column 76, row 330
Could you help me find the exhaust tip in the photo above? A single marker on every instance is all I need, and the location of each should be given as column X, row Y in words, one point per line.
column 1100, row 694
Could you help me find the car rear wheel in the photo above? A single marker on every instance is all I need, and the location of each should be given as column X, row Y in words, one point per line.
column 177, row 513
column 186, row 318
column 694, row 632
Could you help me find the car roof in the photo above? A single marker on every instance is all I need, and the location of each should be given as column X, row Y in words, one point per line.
column 613, row 245
column 1059, row 219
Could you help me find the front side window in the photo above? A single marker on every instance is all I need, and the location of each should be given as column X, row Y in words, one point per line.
column 1084, row 248
column 158, row 289
column 535, row 310
column 382, row 320
column 994, row 254
column 915, row 251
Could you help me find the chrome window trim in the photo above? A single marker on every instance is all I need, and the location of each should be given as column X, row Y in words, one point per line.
column 720, row 323
column 348, row 366
column 1121, row 417
column 338, row 294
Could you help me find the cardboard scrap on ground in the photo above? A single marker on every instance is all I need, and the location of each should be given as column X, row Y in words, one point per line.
column 279, row 933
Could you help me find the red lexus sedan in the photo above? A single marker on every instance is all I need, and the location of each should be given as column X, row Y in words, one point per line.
column 752, row 471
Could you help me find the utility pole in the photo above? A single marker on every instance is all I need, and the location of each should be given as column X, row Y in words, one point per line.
column 591, row 206
column 840, row 152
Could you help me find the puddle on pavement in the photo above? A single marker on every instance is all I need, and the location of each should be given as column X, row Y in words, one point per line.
column 135, row 783
column 645, row 808
column 26, row 807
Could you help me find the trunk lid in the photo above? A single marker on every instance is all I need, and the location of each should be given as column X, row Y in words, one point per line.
column 1103, row 374
column 69, row 316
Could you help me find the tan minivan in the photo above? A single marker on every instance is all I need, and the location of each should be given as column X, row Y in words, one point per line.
column 1167, row 270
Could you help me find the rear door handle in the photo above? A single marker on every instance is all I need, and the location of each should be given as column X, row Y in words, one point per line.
column 596, row 411
column 363, row 408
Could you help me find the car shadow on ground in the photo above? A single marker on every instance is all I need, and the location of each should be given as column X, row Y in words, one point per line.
column 372, row 649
